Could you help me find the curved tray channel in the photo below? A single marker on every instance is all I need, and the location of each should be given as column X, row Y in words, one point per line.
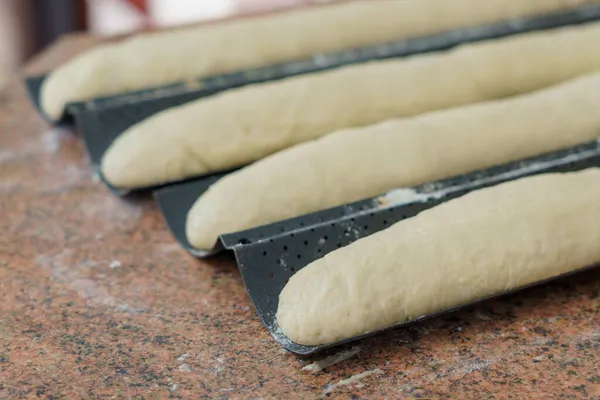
column 33, row 84
column 176, row 201
column 102, row 120
column 174, row 204
column 269, row 255
column 203, row 86
column 269, row 262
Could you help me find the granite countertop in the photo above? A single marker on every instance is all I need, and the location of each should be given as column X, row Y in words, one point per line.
column 98, row 300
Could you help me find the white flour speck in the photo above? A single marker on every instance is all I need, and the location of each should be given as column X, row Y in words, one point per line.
column 331, row 360
column 403, row 196
column 352, row 379
column 185, row 368
column 52, row 139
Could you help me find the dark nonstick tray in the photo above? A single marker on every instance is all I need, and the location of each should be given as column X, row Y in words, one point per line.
column 196, row 88
column 268, row 256
column 102, row 120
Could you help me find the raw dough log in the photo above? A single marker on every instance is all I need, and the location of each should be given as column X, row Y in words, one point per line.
column 246, row 124
column 166, row 57
column 356, row 164
column 486, row 242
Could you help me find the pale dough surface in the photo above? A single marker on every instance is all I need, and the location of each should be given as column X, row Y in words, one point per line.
column 483, row 243
column 240, row 126
column 356, row 164
column 166, row 57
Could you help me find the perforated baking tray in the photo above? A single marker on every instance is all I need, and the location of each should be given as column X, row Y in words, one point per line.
column 176, row 201
column 268, row 256
column 155, row 99
column 195, row 88
column 102, row 120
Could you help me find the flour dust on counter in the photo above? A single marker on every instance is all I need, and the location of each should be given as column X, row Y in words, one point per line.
column 176, row 55
column 352, row 380
column 352, row 165
column 484, row 243
column 334, row 359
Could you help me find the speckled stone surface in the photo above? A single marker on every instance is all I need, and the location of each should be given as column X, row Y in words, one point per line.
column 160, row 324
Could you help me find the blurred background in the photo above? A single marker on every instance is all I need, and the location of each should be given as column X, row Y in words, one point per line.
column 27, row 26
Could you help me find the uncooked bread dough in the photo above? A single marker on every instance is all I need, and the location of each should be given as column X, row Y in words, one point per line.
column 155, row 59
column 486, row 242
column 242, row 125
column 356, row 164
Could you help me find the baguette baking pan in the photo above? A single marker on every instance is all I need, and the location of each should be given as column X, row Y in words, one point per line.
column 102, row 120
column 268, row 256
column 176, row 201
column 195, row 88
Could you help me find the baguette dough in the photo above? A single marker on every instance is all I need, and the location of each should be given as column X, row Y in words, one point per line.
column 167, row 57
column 356, row 164
column 242, row 125
column 486, row 242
